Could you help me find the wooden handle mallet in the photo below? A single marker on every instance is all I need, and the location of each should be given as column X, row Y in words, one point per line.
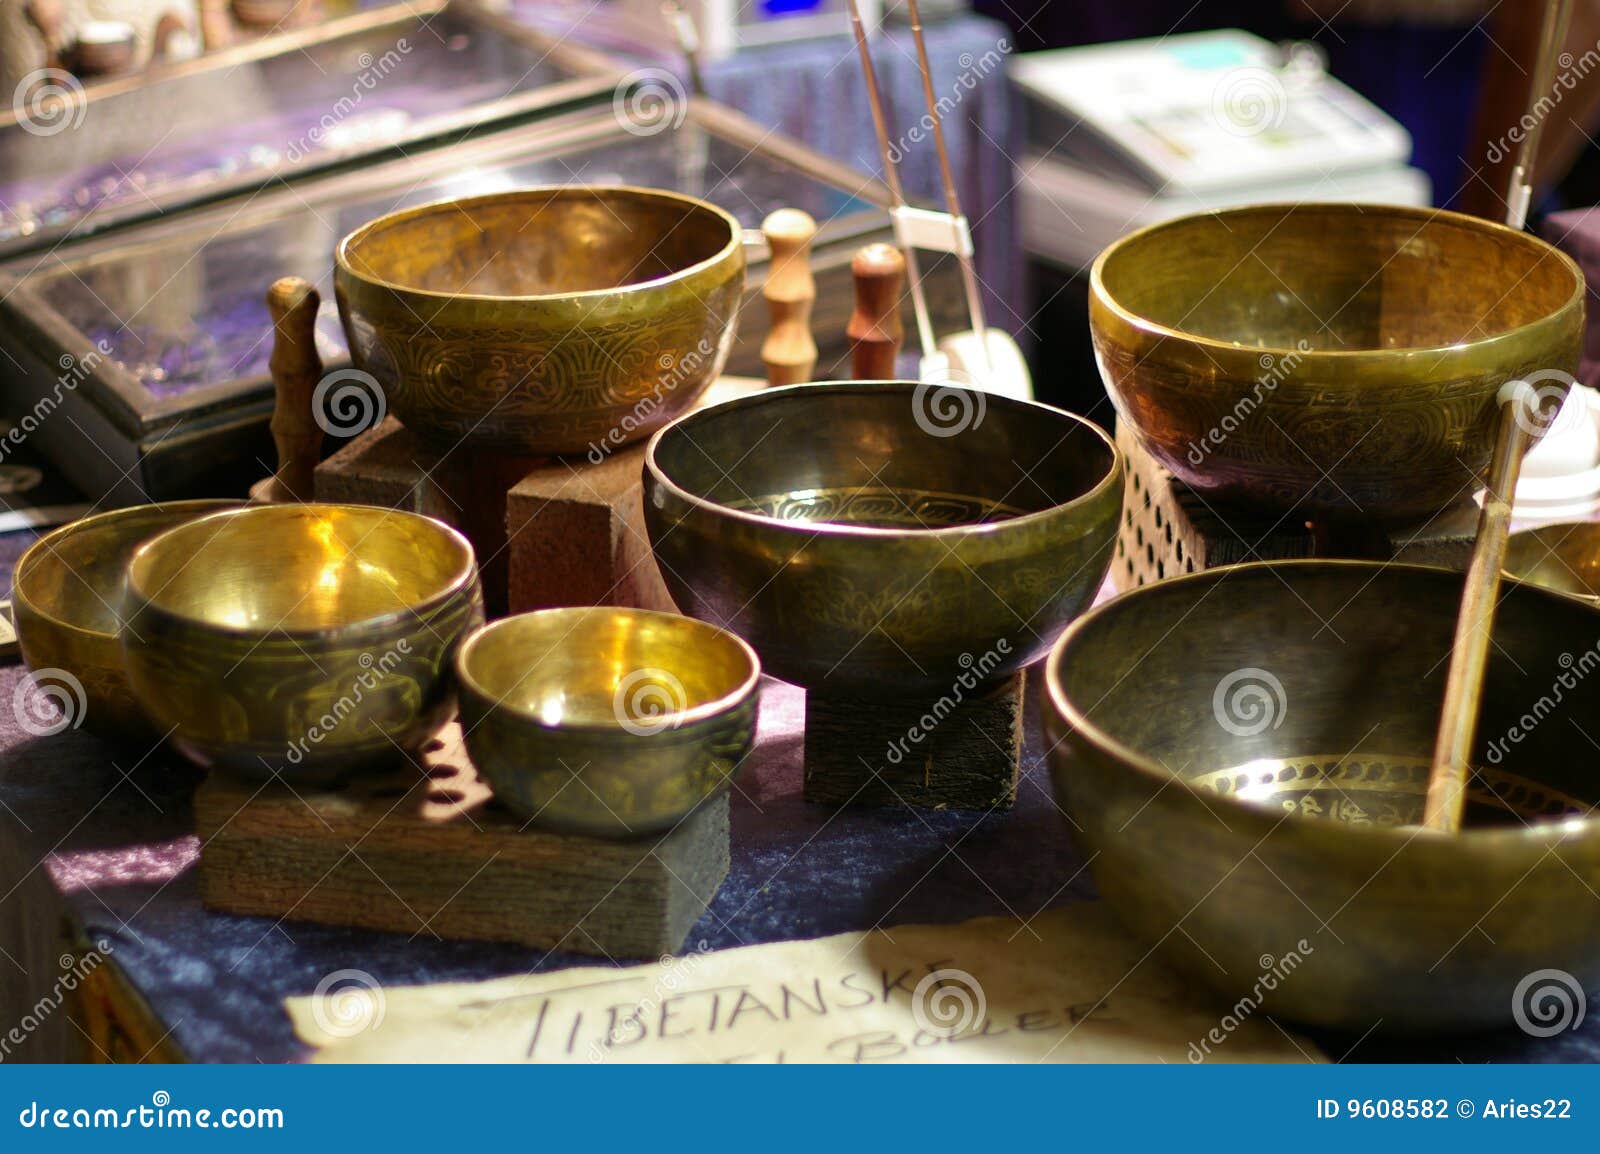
column 875, row 329
column 296, row 368
column 790, row 351
column 1519, row 416
column 47, row 20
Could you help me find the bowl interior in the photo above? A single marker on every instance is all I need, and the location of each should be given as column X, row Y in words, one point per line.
column 605, row 667
column 1339, row 277
column 1563, row 557
column 1315, row 687
column 300, row 567
column 542, row 242
column 75, row 576
column 878, row 456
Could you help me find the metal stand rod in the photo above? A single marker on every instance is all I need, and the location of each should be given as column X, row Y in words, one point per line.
column 969, row 272
column 891, row 177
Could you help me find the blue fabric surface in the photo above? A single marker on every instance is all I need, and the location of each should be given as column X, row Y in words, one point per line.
column 122, row 855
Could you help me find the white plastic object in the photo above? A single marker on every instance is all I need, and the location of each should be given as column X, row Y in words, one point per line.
column 960, row 360
column 933, row 231
column 1560, row 478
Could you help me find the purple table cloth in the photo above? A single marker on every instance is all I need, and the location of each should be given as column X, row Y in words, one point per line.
column 1577, row 233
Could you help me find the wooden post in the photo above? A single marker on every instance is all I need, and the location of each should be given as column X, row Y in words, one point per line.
column 875, row 328
column 790, row 351
column 296, row 369
column 45, row 16
column 892, row 753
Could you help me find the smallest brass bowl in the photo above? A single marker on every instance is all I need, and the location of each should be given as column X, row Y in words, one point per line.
column 1564, row 557
column 307, row 641
column 606, row 722
column 67, row 599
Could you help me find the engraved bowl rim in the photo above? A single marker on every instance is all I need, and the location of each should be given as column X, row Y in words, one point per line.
column 682, row 719
column 1099, row 294
column 599, row 192
column 462, row 581
column 1114, row 474
column 48, row 543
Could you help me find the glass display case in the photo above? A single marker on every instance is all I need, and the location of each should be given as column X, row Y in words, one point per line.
column 170, row 318
column 382, row 81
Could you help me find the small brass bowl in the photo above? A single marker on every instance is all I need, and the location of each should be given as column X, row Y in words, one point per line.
column 606, row 722
column 306, row 640
column 67, row 600
column 1340, row 361
column 1245, row 752
column 547, row 320
column 886, row 537
column 1564, row 557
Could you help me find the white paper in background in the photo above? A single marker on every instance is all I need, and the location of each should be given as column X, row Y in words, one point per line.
column 1068, row 987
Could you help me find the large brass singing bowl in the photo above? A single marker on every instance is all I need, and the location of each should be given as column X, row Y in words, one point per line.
column 1564, row 557
column 306, row 640
column 886, row 537
column 1242, row 751
column 547, row 320
column 1340, row 361
column 67, row 601
column 607, row 722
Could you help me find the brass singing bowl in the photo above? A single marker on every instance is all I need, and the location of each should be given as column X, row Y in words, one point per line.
column 1244, row 753
column 546, row 320
column 304, row 640
column 67, row 602
column 883, row 537
column 1564, row 557
column 1342, row 361
column 606, row 722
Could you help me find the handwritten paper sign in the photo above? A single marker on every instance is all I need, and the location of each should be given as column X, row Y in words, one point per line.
column 1067, row 987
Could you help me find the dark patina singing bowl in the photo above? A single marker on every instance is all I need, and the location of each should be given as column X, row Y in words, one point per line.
column 1245, row 753
column 606, row 722
column 886, row 537
column 306, row 640
column 547, row 320
column 1341, row 361
column 1564, row 557
column 67, row 603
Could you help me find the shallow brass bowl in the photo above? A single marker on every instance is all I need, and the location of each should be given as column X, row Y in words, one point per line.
column 1335, row 360
column 607, row 722
column 67, row 600
column 1241, row 750
column 1564, row 557
column 883, row 537
column 306, row 640
column 547, row 320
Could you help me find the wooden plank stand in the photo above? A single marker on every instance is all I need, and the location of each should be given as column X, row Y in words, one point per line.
column 426, row 851
column 915, row 752
column 1167, row 530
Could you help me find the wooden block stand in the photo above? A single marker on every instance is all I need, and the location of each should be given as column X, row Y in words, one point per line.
column 1167, row 530
column 425, row 851
column 904, row 753
column 548, row 532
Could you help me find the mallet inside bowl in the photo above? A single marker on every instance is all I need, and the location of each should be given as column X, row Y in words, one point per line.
column 1245, row 753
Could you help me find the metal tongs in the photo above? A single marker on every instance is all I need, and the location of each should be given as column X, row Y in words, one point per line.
column 983, row 357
